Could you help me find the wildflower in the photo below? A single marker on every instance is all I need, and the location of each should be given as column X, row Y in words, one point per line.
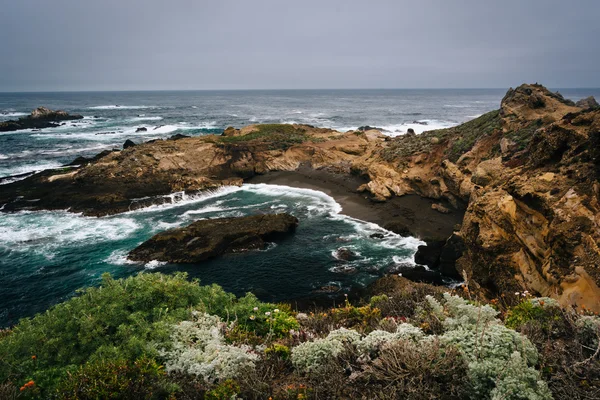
column 345, row 294
column 34, row 357
column 252, row 317
column 517, row 293
column 255, row 308
column 268, row 313
column 276, row 310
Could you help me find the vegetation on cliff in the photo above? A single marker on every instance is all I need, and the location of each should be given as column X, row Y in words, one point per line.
column 157, row 337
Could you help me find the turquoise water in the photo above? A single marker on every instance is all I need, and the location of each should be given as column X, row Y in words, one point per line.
column 46, row 256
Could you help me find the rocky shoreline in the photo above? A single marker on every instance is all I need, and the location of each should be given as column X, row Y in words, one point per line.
column 39, row 118
column 512, row 197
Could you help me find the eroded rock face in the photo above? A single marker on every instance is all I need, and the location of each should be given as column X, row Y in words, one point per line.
column 211, row 238
column 39, row 118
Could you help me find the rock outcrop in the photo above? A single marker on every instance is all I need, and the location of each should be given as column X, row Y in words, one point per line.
column 211, row 238
column 39, row 118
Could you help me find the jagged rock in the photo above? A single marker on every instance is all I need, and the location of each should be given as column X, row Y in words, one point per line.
column 210, row 238
column 344, row 254
column 39, row 118
column 377, row 236
column 587, row 103
column 453, row 249
column 368, row 128
column 128, row 143
column 178, row 136
column 416, row 273
column 141, row 129
column 430, row 254
column 440, row 208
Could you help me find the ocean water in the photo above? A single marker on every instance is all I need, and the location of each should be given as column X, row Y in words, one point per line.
column 46, row 256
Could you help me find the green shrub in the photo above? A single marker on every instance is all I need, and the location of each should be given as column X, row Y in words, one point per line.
column 121, row 319
column 278, row 350
column 541, row 310
column 224, row 391
column 116, row 379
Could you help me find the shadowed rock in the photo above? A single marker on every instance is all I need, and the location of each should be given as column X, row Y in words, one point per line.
column 39, row 118
column 212, row 237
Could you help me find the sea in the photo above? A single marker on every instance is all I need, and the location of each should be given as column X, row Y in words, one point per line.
column 45, row 256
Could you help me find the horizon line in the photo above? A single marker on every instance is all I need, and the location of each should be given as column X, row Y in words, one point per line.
column 273, row 90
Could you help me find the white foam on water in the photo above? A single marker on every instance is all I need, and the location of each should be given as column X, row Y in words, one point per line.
column 52, row 230
column 12, row 114
column 320, row 201
column 119, row 257
column 180, row 199
column 118, row 107
column 4, row 157
column 154, row 264
column 6, row 181
column 27, row 168
column 144, row 118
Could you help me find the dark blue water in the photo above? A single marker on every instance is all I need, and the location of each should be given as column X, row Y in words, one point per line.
column 46, row 256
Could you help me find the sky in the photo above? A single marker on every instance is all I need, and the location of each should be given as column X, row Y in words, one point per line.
column 69, row 45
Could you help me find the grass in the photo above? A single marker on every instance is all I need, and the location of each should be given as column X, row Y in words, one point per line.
column 462, row 137
column 275, row 135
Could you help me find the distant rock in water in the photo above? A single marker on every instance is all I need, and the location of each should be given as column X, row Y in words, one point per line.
column 142, row 129
column 368, row 128
column 128, row 143
column 39, row 118
column 587, row 103
column 212, row 237
column 178, row 136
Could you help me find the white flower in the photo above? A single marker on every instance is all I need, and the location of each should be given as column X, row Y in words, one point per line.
column 276, row 310
column 268, row 313
column 517, row 293
column 255, row 308
column 252, row 317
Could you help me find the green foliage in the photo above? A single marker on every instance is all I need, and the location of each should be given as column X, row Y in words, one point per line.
column 463, row 138
column 121, row 319
column 277, row 135
column 278, row 350
column 116, row 379
column 262, row 318
column 522, row 137
column 527, row 311
column 224, row 391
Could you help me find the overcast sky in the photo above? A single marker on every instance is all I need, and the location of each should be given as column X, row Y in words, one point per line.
column 246, row 44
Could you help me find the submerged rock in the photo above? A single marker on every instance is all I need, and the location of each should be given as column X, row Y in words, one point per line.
column 344, row 254
column 141, row 129
column 212, row 237
column 39, row 118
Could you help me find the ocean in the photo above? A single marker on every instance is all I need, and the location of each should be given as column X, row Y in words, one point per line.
column 46, row 256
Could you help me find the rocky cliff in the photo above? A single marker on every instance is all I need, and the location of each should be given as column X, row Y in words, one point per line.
column 526, row 174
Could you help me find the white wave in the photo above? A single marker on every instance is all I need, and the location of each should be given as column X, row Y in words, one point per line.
column 180, row 199
column 119, row 257
column 12, row 114
column 4, row 157
column 6, row 181
column 26, row 168
column 118, row 107
column 52, row 230
column 144, row 118
column 154, row 264
column 323, row 202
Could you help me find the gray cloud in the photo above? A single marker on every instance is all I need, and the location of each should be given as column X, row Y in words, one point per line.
column 227, row 44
